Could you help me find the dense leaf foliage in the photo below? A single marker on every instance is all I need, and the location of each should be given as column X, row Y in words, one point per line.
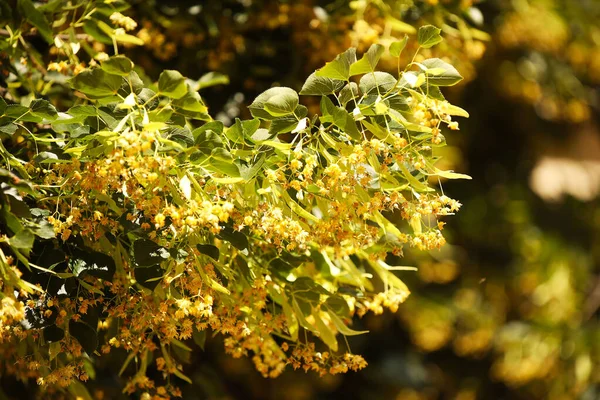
column 135, row 220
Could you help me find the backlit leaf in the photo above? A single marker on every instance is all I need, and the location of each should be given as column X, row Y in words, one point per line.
column 340, row 67
column 428, row 36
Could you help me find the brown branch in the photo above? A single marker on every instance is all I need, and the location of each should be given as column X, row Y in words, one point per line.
column 34, row 33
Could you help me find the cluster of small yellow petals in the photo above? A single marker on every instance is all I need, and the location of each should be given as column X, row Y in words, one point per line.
column 390, row 299
column 121, row 20
column 66, row 68
column 132, row 171
column 281, row 230
column 306, row 357
column 12, row 311
column 431, row 113
column 64, row 376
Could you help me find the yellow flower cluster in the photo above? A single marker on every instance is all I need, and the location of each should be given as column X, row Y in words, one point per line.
column 66, row 68
column 283, row 231
column 64, row 376
column 390, row 299
column 121, row 20
column 304, row 356
column 12, row 311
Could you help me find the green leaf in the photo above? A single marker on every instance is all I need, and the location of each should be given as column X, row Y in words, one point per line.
column 97, row 83
column 85, row 335
column 400, row 26
column 221, row 161
column 146, row 253
column 338, row 305
column 274, row 102
column 53, row 333
column 348, row 92
column 340, row 67
column 369, row 60
column 261, row 135
column 325, row 333
column 209, row 250
column 128, row 39
column 450, row 174
column 235, row 132
column 9, row 129
column 79, row 391
column 149, row 277
column 91, row 28
column 280, row 267
column 414, row 182
column 248, row 127
column 455, row 110
column 172, row 84
column 345, row 121
column 449, row 75
column 54, row 349
column 292, row 321
column 319, row 85
column 45, row 157
column 182, row 376
column 342, row 327
column 308, row 290
column 179, row 134
column 128, row 360
column 43, row 109
column 36, row 18
column 282, row 125
column 396, row 48
column 214, row 126
column 327, row 109
column 428, row 36
column 250, row 172
column 380, row 82
column 236, row 238
column 224, row 167
column 297, row 208
column 81, row 112
column 207, row 141
column 17, row 111
column 301, row 316
column 211, row 79
column 117, row 65
column 22, row 240
column 45, row 230
column 191, row 101
column 379, row 131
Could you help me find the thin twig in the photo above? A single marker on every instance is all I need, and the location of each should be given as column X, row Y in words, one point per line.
column 34, row 33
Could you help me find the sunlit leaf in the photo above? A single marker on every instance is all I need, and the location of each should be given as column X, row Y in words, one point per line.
column 319, row 85
column 397, row 47
column 369, row 60
column 172, row 84
column 340, row 67
column 428, row 36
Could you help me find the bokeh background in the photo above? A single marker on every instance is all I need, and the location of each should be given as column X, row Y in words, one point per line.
column 509, row 308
